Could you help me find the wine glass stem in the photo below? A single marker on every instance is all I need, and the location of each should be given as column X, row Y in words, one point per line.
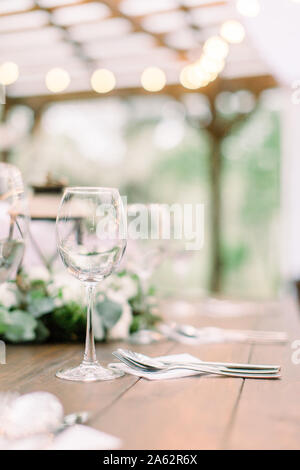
column 90, row 351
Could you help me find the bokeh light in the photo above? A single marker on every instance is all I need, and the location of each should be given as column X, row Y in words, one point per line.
column 216, row 48
column 153, row 79
column 57, row 80
column 246, row 101
column 227, row 103
column 250, row 8
column 211, row 66
column 9, row 73
column 193, row 76
column 233, row 31
column 103, row 81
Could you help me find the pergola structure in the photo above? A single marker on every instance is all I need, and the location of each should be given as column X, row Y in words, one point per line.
column 125, row 37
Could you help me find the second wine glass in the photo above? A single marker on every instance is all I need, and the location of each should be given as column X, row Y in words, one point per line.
column 91, row 237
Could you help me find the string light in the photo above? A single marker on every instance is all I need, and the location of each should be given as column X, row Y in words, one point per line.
column 216, row 48
column 193, row 76
column 9, row 73
column 210, row 65
column 103, row 81
column 153, row 79
column 57, row 80
column 250, row 8
column 233, row 31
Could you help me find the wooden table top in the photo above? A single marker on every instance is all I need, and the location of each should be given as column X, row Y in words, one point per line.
column 190, row 413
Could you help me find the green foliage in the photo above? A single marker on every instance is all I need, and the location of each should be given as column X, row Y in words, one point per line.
column 40, row 314
column 66, row 323
column 233, row 257
column 110, row 312
column 187, row 163
column 21, row 327
column 250, row 204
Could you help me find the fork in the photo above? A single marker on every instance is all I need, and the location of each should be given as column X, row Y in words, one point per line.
column 145, row 361
column 154, row 366
column 142, row 359
column 199, row 334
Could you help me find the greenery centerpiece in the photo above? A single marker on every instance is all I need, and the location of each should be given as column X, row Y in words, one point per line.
column 39, row 306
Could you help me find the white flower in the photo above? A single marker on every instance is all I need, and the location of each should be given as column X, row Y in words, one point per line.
column 71, row 287
column 124, row 285
column 8, row 295
column 121, row 329
column 39, row 273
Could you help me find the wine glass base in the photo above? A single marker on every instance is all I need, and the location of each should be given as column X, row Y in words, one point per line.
column 88, row 373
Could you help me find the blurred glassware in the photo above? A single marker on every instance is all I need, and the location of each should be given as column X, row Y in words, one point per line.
column 14, row 220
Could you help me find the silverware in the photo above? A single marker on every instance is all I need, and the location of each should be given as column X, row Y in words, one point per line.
column 69, row 420
column 150, row 365
column 145, row 337
column 145, row 361
column 212, row 334
column 141, row 359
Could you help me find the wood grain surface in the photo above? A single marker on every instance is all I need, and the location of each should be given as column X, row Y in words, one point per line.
column 191, row 413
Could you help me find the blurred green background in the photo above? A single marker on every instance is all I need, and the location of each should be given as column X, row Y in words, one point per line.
column 157, row 149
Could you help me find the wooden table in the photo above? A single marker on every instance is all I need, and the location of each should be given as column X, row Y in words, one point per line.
column 191, row 413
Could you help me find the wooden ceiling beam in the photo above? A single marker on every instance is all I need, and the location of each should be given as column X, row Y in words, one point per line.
column 137, row 26
column 79, row 52
column 255, row 84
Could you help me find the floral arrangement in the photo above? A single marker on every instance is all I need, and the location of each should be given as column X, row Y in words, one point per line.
column 39, row 306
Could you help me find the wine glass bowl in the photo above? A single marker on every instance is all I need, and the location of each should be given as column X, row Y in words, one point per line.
column 14, row 221
column 91, row 238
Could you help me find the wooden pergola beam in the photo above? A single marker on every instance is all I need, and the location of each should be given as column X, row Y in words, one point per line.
column 137, row 25
column 256, row 84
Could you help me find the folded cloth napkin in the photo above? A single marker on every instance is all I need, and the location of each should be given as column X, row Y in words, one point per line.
column 34, row 421
column 77, row 437
column 171, row 374
column 205, row 335
column 80, row 437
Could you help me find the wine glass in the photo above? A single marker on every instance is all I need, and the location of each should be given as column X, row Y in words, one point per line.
column 91, row 238
column 14, row 221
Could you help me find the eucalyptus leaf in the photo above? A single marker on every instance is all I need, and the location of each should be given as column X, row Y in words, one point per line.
column 41, row 332
column 3, row 320
column 21, row 327
column 109, row 311
column 41, row 306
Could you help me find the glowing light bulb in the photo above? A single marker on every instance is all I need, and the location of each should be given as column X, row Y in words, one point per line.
column 216, row 48
column 233, row 31
column 153, row 79
column 193, row 76
column 103, row 81
column 9, row 73
column 57, row 80
column 211, row 66
column 250, row 8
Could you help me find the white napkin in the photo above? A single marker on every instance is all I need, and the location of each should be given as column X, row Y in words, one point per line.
column 30, row 422
column 205, row 335
column 77, row 437
column 172, row 374
column 80, row 437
